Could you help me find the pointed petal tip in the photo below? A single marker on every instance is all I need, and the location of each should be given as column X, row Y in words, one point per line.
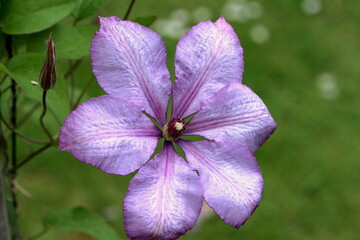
column 147, row 215
column 221, row 19
column 200, row 54
column 128, row 59
column 237, row 223
column 239, row 186
column 223, row 24
column 274, row 126
column 107, row 20
column 237, row 226
column 252, row 130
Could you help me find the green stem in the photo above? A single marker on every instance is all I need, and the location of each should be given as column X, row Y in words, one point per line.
column 72, row 89
column 82, row 94
column 4, row 221
column 40, row 234
column 129, row 10
column 5, row 89
column 3, row 79
column 13, row 130
column 43, row 115
column 72, row 68
column 14, row 225
column 27, row 115
column 8, row 45
column 28, row 158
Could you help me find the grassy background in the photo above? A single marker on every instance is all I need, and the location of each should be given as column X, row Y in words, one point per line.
column 306, row 71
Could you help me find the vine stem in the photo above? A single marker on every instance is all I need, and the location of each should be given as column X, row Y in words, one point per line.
column 38, row 235
column 73, row 67
column 28, row 114
column 82, row 94
column 19, row 134
column 4, row 221
column 8, row 45
column 28, row 158
column 12, row 176
column 129, row 10
column 72, row 92
column 5, row 89
column 3, row 79
column 43, row 115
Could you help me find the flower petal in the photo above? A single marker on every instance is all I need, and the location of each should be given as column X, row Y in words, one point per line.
column 207, row 58
column 110, row 134
column 235, row 113
column 129, row 61
column 164, row 198
column 230, row 176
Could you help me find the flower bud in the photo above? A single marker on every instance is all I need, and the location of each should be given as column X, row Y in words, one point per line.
column 48, row 72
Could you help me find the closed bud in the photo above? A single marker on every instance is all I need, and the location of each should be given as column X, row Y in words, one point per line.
column 48, row 72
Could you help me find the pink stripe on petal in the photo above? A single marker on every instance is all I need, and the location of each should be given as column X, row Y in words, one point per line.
column 109, row 133
column 163, row 200
column 207, row 58
column 129, row 60
column 235, row 113
column 230, row 176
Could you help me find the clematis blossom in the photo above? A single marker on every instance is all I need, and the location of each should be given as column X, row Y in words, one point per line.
column 112, row 133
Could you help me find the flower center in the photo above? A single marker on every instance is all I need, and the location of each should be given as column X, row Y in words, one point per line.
column 172, row 130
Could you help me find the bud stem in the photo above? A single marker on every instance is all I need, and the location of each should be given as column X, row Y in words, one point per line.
column 43, row 115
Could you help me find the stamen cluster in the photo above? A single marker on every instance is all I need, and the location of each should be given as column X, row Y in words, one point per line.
column 173, row 130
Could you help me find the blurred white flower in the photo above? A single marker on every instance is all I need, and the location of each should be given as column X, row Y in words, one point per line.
column 236, row 10
column 175, row 26
column 256, row 9
column 180, row 15
column 201, row 14
column 327, row 85
column 170, row 27
column 241, row 10
column 110, row 213
column 311, row 6
column 259, row 34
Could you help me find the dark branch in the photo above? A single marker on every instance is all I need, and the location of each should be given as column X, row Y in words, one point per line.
column 129, row 10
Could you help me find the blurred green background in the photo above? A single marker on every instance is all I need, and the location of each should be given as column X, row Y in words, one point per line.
column 302, row 57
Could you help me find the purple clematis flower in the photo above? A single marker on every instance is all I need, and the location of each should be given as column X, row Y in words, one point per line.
column 110, row 132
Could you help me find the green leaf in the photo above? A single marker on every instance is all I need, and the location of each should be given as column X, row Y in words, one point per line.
column 80, row 220
column 86, row 8
column 26, row 68
column 146, row 21
column 23, row 17
column 4, row 6
column 70, row 42
column 4, row 69
column 2, row 44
